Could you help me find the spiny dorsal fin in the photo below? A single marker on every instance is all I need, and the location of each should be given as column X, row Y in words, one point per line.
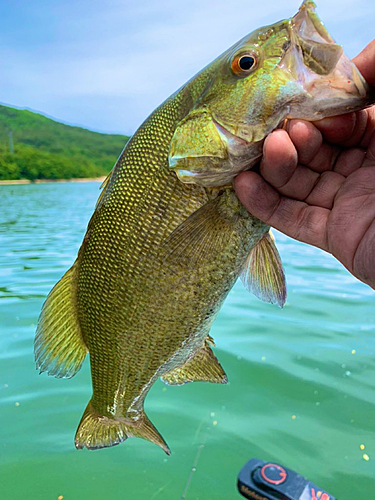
column 59, row 347
column 263, row 273
column 103, row 187
column 205, row 233
column 202, row 367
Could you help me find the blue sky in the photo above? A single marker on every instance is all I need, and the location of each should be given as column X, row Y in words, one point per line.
column 106, row 64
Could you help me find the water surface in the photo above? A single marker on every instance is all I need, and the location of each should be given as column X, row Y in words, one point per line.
column 301, row 391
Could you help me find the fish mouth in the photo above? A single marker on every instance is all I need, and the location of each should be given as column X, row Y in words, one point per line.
column 331, row 83
column 322, row 81
column 313, row 79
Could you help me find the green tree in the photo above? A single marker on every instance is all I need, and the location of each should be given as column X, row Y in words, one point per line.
column 46, row 149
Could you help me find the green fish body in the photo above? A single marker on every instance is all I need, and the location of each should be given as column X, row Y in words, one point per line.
column 162, row 250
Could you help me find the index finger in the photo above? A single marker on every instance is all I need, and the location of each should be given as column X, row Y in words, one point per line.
column 345, row 130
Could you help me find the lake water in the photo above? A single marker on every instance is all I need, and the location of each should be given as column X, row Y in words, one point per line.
column 301, row 391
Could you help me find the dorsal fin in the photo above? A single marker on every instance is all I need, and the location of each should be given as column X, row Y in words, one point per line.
column 103, row 187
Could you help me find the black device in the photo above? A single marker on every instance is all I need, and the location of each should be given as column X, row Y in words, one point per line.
column 259, row 480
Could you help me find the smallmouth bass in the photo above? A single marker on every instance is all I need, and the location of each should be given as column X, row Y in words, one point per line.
column 169, row 238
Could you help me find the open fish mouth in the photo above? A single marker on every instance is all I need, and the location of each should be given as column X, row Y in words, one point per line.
column 332, row 83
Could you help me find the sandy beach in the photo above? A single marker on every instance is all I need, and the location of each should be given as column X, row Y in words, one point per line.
column 46, row 181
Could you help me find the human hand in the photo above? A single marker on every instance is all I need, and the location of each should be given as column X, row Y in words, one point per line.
column 316, row 183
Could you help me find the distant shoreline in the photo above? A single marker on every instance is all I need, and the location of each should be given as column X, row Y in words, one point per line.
column 48, row 181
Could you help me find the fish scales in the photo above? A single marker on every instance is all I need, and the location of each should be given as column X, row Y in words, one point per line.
column 169, row 238
column 130, row 306
column 136, row 323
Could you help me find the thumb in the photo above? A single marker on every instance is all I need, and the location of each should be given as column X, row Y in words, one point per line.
column 365, row 62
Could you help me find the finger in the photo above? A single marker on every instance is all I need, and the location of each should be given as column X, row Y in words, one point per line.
column 311, row 149
column 352, row 216
column 363, row 262
column 300, row 184
column 294, row 218
column 279, row 158
column 346, row 130
column 349, row 161
column 365, row 62
column 370, row 153
column 256, row 195
column 337, row 129
column 325, row 158
column 370, row 127
column 306, row 138
column 324, row 192
column 313, row 188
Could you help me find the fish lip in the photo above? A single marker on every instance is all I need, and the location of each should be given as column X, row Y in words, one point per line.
column 330, row 83
column 309, row 38
column 315, row 29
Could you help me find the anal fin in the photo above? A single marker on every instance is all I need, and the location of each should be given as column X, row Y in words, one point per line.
column 202, row 367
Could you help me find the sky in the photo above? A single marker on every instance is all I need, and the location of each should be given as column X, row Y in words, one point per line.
column 107, row 64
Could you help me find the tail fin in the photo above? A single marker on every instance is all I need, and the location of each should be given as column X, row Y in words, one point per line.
column 97, row 431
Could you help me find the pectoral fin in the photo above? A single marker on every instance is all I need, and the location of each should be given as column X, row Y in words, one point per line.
column 263, row 273
column 202, row 235
column 202, row 367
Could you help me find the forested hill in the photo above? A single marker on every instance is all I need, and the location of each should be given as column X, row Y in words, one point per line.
column 33, row 146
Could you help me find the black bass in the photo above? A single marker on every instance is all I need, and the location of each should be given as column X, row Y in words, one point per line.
column 169, row 238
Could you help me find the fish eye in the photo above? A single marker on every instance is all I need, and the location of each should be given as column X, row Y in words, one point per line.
column 244, row 64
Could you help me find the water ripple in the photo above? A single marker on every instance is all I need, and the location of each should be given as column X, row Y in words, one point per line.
column 301, row 380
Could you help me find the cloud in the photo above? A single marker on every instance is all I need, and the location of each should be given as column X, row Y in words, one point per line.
column 108, row 64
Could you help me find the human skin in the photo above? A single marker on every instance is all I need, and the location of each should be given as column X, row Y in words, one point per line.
column 316, row 183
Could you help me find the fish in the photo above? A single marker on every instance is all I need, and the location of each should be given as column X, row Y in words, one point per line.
column 169, row 238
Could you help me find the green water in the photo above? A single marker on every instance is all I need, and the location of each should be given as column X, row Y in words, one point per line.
column 301, row 391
